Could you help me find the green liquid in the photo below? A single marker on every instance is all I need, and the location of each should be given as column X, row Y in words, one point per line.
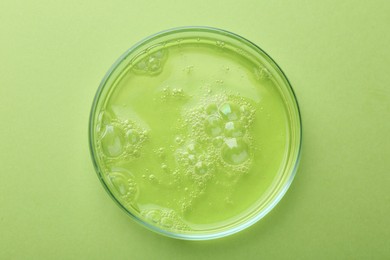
column 191, row 136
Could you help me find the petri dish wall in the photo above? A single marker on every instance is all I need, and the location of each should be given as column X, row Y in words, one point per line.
column 195, row 133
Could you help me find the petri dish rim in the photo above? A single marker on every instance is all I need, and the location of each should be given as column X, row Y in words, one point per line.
column 280, row 192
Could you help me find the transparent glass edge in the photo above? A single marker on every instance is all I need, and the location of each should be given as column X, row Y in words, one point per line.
column 274, row 201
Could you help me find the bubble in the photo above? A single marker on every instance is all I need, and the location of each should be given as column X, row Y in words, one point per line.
column 154, row 215
column 103, row 119
column 262, row 73
column 161, row 152
column 151, row 64
column 192, row 147
column 152, row 177
column 218, row 141
column 159, row 54
column 177, row 91
column 244, row 109
column 233, row 129
column 191, row 159
column 179, row 140
column 212, row 109
column 164, row 167
column 220, row 44
column 235, row 151
column 136, row 153
column 165, row 218
column 167, row 222
column 229, row 112
column 213, row 125
column 200, row 168
column 132, row 136
column 154, row 65
column 123, row 184
column 112, row 141
column 142, row 65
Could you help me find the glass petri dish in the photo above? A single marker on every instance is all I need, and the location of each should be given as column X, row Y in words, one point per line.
column 195, row 133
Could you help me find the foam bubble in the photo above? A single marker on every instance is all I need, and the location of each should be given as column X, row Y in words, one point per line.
column 229, row 112
column 152, row 177
column 179, row 140
column 212, row 109
column 132, row 136
column 235, row 151
column 151, row 64
column 167, row 222
column 123, row 184
column 218, row 141
column 166, row 218
column 233, row 129
column 200, row 168
column 164, row 167
column 213, row 125
column 153, row 215
column 262, row 73
column 112, row 141
column 103, row 119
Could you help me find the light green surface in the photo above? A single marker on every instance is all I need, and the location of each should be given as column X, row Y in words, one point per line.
column 53, row 55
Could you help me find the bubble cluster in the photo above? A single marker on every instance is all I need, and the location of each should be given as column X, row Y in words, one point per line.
column 169, row 94
column 214, row 125
column 233, row 129
column 118, row 139
column 194, row 161
column 151, row 64
column 166, row 218
column 229, row 111
column 220, row 44
column 235, row 151
column 132, row 136
column 261, row 73
column 220, row 125
column 123, row 184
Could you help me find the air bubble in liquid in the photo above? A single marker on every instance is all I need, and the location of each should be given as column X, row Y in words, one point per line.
column 213, row 125
column 229, row 112
column 152, row 177
column 112, row 141
column 200, row 168
column 132, row 136
column 167, row 222
column 103, row 119
column 235, row 151
column 218, row 141
column 123, row 184
column 154, row 215
column 212, row 109
column 233, row 129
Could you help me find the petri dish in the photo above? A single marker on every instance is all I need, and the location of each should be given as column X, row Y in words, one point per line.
column 195, row 133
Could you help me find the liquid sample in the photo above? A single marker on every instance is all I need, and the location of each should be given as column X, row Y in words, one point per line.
column 192, row 135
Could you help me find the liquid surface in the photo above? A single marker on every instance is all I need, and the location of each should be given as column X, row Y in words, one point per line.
column 191, row 136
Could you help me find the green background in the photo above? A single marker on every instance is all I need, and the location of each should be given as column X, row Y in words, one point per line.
column 53, row 56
